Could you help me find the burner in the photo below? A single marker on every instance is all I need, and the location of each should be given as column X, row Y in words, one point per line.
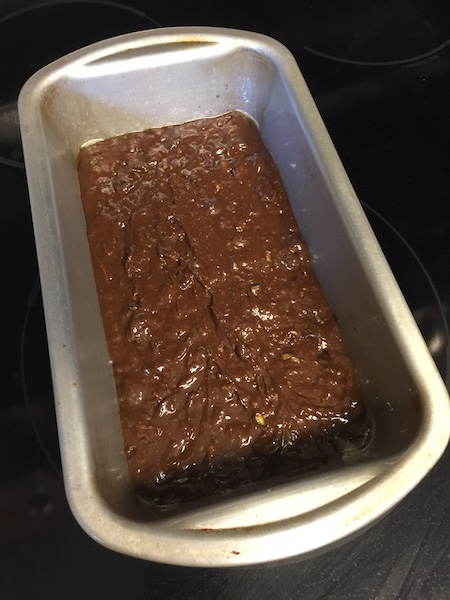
column 51, row 30
column 385, row 33
column 417, row 287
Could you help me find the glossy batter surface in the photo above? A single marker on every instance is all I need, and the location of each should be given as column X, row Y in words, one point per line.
column 228, row 362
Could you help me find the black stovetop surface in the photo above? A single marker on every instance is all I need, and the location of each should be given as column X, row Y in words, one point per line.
column 381, row 78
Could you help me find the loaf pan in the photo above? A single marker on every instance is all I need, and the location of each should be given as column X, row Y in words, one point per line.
column 167, row 76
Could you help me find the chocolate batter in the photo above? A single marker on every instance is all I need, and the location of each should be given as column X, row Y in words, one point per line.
column 228, row 362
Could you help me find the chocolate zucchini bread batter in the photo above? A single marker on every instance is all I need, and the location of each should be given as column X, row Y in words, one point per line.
column 228, row 362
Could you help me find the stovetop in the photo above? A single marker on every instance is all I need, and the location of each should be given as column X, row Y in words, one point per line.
column 380, row 77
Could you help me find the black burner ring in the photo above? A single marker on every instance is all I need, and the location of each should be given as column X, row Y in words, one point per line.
column 52, row 30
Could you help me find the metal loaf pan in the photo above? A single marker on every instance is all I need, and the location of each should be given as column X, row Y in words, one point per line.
column 168, row 76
